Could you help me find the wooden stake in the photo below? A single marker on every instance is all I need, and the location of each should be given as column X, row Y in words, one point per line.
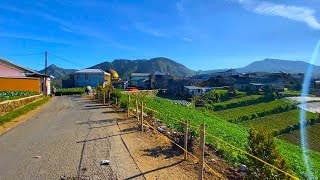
column 109, row 95
column 137, row 109
column 141, row 121
column 201, row 157
column 128, row 113
column 186, row 140
column 104, row 98
column 116, row 101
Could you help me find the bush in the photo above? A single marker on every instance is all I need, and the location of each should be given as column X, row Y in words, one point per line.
column 262, row 145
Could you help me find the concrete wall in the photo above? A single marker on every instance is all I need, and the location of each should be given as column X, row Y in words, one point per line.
column 19, row 84
column 7, row 106
column 93, row 80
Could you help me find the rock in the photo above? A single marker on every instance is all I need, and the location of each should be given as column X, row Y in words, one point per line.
column 213, row 160
column 243, row 168
column 37, row 157
column 160, row 129
column 168, row 133
column 104, row 162
column 163, row 127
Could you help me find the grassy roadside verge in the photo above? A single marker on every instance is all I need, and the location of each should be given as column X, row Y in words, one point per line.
column 23, row 110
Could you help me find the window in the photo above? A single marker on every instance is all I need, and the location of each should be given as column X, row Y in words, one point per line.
column 86, row 77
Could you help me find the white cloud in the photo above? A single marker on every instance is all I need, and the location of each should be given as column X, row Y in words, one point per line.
column 296, row 13
column 187, row 39
column 154, row 32
column 35, row 38
column 180, row 7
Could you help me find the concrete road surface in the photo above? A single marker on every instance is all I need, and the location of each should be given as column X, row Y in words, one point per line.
column 69, row 137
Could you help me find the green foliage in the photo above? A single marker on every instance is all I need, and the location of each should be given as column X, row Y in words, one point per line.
column 10, row 95
column 70, row 91
column 262, row 145
column 23, row 110
column 240, row 114
column 281, row 123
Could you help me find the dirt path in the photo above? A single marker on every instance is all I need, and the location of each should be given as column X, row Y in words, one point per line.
column 70, row 137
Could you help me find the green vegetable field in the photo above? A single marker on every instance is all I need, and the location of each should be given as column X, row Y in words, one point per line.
column 279, row 123
column 240, row 114
column 229, row 132
column 10, row 95
column 313, row 135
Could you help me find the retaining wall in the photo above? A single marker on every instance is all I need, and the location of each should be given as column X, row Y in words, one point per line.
column 7, row 106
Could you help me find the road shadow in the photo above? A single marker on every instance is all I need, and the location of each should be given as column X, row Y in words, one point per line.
column 167, row 151
column 100, row 138
column 154, row 170
column 130, row 129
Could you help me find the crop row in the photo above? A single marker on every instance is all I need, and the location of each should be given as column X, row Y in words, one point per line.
column 240, row 114
column 312, row 133
column 233, row 103
column 9, row 95
column 282, row 123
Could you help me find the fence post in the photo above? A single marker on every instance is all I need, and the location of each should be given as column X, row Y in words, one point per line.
column 99, row 96
column 104, row 98
column 201, row 157
column 137, row 109
column 141, row 121
column 109, row 96
column 186, row 140
column 116, row 101
column 128, row 113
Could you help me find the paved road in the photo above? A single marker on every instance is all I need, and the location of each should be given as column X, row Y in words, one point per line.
column 71, row 135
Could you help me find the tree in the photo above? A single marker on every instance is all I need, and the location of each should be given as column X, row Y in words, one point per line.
column 262, row 145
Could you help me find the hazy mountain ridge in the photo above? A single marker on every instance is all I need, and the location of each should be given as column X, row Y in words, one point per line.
column 276, row 65
column 125, row 67
column 58, row 72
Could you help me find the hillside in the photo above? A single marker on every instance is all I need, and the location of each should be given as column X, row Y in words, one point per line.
column 57, row 72
column 125, row 67
column 275, row 65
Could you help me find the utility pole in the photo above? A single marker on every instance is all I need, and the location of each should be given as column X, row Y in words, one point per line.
column 45, row 73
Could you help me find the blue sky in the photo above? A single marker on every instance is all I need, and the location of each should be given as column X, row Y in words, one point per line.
column 201, row 34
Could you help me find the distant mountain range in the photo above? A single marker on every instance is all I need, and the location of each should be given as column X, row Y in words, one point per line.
column 125, row 67
column 276, row 65
column 57, row 72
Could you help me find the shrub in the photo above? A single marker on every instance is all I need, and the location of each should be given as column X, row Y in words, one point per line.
column 262, row 145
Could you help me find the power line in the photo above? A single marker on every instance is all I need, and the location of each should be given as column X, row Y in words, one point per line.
column 31, row 54
column 79, row 65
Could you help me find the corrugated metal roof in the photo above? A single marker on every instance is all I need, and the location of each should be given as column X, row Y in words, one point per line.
column 91, row 71
column 140, row 74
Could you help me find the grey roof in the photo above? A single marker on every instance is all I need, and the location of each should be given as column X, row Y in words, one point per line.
column 159, row 73
column 140, row 74
column 257, row 84
column 197, row 87
column 91, row 71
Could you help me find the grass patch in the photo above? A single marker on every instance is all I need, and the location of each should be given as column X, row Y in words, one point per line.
column 23, row 110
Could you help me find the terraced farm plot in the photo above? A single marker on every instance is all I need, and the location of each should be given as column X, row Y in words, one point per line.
column 278, row 122
column 229, row 132
column 313, row 134
column 240, row 114
column 233, row 103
